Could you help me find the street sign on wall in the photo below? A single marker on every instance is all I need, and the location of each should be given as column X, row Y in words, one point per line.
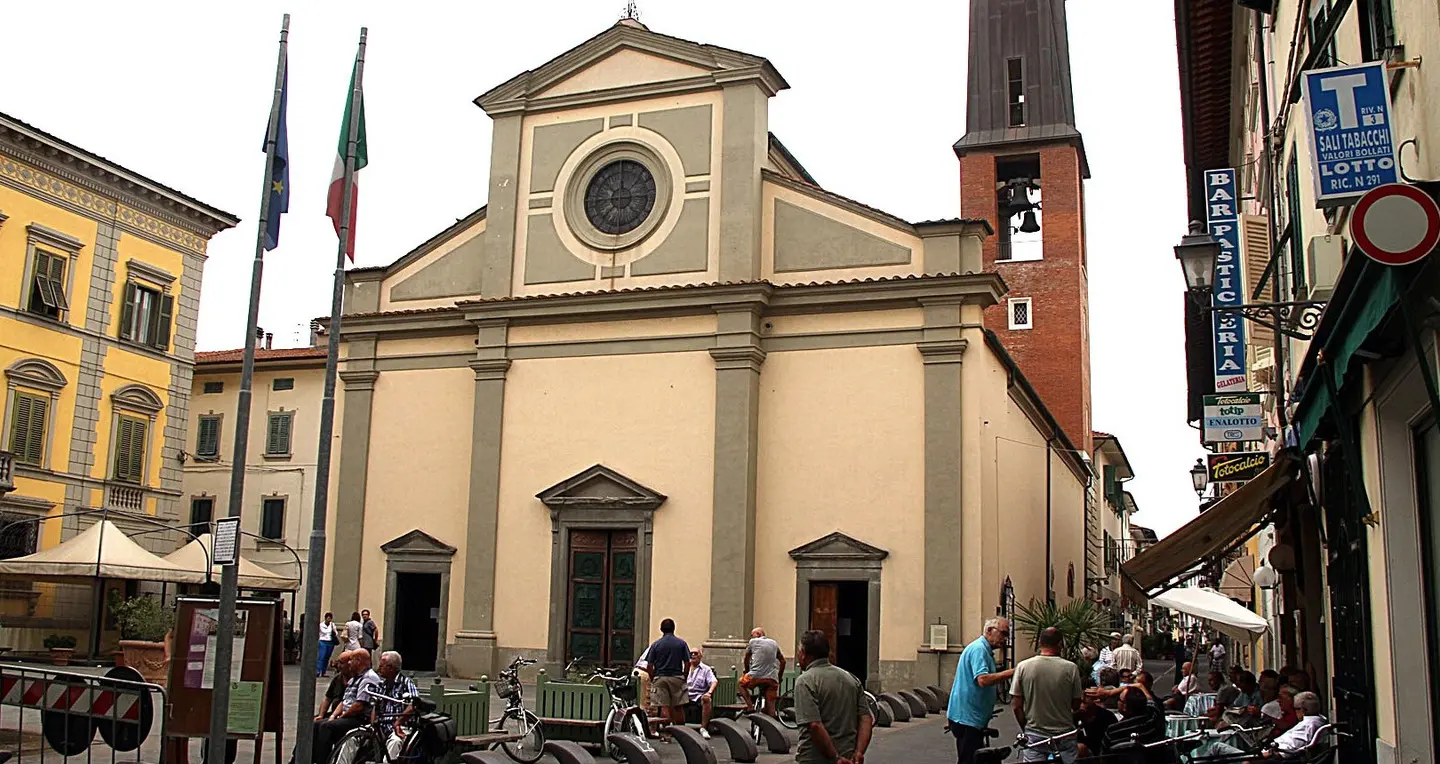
column 1352, row 148
column 1222, row 215
column 1233, row 418
column 1396, row 224
column 1236, row 467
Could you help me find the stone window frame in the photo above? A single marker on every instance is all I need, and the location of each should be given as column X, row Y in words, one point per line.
column 579, row 181
column 838, row 557
column 56, row 244
column 1010, row 304
column 219, row 436
column 34, row 376
column 137, row 402
column 284, row 499
column 418, row 552
column 289, row 435
column 570, row 512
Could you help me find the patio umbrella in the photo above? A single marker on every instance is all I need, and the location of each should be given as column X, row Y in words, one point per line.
column 194, row 555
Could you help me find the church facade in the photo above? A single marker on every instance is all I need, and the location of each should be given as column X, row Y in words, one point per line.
column 664, row 374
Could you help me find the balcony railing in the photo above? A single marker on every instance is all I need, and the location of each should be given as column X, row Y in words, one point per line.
column 7, row 472
column 126, row 498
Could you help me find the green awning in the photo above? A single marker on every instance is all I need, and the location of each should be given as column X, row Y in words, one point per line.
column 1363, row 311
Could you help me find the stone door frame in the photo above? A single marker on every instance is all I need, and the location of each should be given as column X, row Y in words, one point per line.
column 598, row 498
column 838, row 557
column 417, row 552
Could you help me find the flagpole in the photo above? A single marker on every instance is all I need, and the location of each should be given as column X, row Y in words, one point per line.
column 315, row 563
column 225, row 629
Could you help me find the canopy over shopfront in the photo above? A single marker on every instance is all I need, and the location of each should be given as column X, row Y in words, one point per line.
column 1228, row 523
column 98, row 552
column 195, row 555
column 1217, row 609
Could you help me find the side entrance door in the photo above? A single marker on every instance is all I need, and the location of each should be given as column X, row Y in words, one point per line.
column 600, row 609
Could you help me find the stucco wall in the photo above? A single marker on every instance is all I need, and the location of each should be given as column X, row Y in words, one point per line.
column 419, row 472
column 650, row 418
column 842, row 448
column 857, row 246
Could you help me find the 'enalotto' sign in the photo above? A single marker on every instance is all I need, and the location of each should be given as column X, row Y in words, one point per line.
column 1352, row 148
column 1222, row 215
column 1233, row 418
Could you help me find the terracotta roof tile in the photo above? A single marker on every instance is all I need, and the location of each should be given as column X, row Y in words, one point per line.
column 276, row 354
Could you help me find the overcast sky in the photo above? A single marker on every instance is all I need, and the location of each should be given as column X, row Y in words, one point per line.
column 180, row 92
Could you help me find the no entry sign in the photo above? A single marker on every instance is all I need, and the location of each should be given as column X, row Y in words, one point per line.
column 1396, row 224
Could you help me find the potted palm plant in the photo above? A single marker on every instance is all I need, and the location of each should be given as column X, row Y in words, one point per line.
column 61, row 647
column 144, row 621
column 1081, row 622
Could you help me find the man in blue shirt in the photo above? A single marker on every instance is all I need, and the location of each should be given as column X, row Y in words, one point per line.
column 972, row 698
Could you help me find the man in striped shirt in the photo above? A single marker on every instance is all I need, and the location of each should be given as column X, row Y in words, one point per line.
column 395, row 712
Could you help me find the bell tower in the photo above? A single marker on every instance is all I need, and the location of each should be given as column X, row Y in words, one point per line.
column 1023, row 167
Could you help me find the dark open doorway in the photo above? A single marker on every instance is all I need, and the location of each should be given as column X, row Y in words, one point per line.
column 416, row 619
column 841, row 609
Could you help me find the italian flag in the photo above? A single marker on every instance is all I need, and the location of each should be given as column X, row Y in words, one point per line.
column 334, row 206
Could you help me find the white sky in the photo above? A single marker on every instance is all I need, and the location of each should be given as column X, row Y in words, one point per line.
column 179, row 92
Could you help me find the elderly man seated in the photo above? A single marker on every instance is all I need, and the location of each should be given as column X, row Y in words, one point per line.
column 395, row 708
column 355, row 707
column 1293, row 741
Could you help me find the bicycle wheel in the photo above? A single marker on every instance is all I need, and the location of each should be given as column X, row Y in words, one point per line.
column 785, row 711
column 358, row 746
column 531, row 745
column 633, row 723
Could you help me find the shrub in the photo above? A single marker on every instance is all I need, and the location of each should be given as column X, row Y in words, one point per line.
column 66, row 641
column 1081, row 622
column 141, row 618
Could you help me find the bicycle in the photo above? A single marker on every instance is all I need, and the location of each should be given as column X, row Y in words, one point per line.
column 1021, row 743
column 784, row 711
column 529, row 746
column 626, row 716
column 429, row 737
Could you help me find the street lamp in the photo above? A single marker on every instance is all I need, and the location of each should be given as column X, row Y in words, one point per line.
column 1198, row 252
column 1199, row 477
column 1265, row 577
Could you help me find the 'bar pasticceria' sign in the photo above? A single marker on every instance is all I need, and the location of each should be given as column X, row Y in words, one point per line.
column 1237, row 467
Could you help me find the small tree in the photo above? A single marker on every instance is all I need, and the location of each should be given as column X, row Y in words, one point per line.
column 141, row 618
column 1081, row 622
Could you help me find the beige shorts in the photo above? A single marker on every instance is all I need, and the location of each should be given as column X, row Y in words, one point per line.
column 669, row 691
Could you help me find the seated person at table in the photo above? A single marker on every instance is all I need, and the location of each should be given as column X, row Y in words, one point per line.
column 1294, row 741
column 1109, row 690
column 1094, row 720
column 1244, row 707
column 1142, row 724
column 1281, row 712
column 1188, row 685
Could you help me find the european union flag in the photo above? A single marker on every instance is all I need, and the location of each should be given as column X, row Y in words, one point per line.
column 279, row 174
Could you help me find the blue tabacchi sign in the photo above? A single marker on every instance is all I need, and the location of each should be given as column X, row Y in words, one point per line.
column 1222, row 215
column 1352, row 146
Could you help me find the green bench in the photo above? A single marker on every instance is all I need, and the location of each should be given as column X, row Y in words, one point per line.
column 571, row 710
column 471, row 711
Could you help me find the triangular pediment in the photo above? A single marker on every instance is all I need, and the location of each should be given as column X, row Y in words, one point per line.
column 600, row 486
column 627, row 55
column 417, row 542
column 838, row 546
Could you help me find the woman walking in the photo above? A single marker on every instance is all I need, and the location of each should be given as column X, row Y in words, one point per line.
column 327, row 644
column 353, row 629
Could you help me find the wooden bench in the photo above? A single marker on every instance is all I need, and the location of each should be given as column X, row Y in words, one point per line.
column 469, row 708
column 571, row 711
column 481, row 742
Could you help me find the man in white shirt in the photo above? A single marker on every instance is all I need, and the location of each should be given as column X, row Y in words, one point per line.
column 1217, row 657
column 1107, row 653
column 1298, row 738
column 1127, row 657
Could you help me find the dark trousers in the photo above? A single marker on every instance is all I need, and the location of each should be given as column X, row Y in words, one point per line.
column 329, row 732
column 968, row 740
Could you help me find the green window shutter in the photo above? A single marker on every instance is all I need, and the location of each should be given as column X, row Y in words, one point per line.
column 57, row 282
column 160, row 333
column 207, row 440
column 1110, row 482
column 122, row 448
column 130, row 450
column 127, row 311
column 137, row 451
column 35, row 441
column 277, row 438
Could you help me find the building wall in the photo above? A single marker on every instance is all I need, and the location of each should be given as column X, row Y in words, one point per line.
column 67, row 204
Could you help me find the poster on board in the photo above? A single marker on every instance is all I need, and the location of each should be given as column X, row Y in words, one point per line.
column 204, row 633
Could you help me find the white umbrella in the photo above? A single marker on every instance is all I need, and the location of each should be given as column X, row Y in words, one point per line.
column 195, row 554
column 100, row 551
column 1212, row 606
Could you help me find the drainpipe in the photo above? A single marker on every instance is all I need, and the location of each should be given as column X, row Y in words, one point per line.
column 1049, row 563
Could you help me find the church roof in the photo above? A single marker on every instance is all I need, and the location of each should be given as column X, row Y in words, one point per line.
column 724, row 64
column 1034, row 32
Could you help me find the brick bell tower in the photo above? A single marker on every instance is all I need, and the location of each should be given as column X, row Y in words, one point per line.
column 1022, row 167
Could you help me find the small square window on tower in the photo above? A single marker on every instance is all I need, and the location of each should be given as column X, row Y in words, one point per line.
column 1021, row 316
column 1015, row 91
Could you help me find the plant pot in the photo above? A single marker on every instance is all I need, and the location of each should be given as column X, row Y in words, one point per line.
column 60, row 656
column 146, row 657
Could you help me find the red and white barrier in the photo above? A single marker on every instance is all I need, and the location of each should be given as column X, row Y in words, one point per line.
column 66, row 696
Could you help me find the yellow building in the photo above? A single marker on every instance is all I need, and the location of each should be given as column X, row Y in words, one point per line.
column 99, row 291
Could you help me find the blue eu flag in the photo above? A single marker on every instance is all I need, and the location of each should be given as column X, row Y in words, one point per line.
column 279, row 175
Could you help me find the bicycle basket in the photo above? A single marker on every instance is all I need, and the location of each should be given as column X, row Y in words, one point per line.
column 437, row 733
column 625, row 691
column 508, row 690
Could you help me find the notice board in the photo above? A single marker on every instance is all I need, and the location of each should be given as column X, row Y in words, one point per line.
column 257, row 642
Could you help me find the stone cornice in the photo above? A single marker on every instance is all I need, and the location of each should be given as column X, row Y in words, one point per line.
column 942, row 351
column 359, row 379
column 490, row 368
column 69, row 163
column 749, row 357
